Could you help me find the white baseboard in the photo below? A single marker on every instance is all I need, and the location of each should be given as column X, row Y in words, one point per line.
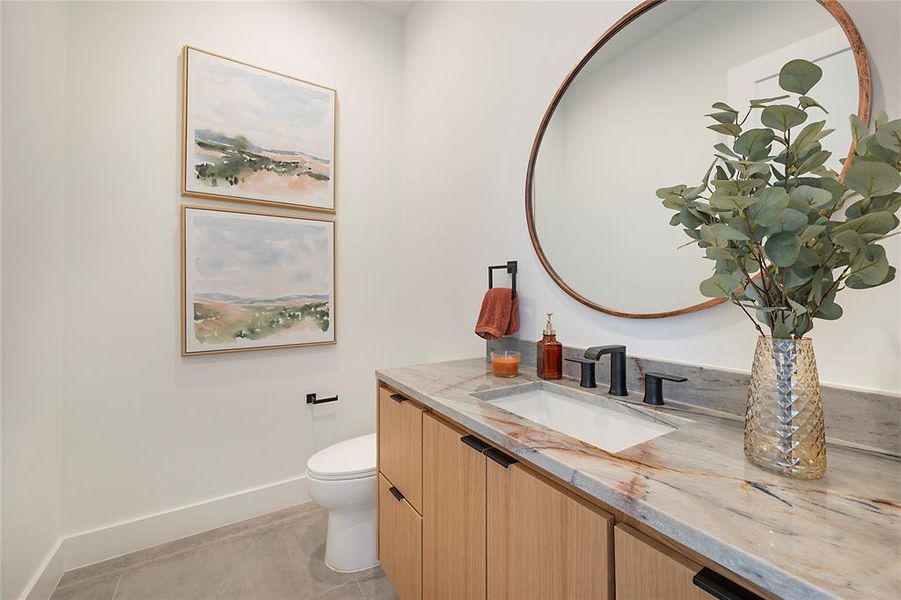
column 115, row 540
column 88, row 547
column 44, row 581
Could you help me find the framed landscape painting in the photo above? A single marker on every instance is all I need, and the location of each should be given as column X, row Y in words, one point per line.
column 253, row 135
column 253, row 281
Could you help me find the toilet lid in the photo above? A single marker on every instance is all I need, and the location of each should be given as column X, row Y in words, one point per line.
column 350, row 459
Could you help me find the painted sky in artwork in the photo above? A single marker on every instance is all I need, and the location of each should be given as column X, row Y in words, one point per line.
column 273, row 112
column 259, row 257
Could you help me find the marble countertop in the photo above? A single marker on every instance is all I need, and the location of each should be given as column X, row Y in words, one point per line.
column 838, row 537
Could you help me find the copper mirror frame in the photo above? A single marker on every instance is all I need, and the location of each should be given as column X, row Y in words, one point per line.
column 865, row 85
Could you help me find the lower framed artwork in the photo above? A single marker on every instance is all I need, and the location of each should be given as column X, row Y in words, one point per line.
column 255, row 281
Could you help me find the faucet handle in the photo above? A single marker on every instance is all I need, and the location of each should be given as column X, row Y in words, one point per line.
column 588, row 373
column 653, row 386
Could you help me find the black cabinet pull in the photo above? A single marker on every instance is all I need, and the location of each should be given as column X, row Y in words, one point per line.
column 499, row 457
column 719, row 587
column 396, row 493
column 312, row 399
column 397, row 398
column 475, row 443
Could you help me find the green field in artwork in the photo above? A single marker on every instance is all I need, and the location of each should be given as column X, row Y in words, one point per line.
column 222, row 319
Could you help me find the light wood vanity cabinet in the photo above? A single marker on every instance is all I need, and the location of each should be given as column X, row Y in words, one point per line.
column 461, row 520
column 542, row 541
column 454, row 514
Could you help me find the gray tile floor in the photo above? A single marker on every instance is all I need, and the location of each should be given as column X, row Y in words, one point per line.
column 278, row 556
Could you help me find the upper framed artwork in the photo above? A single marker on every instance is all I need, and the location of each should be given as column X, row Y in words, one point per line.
column 254, row 281
column 254, row 135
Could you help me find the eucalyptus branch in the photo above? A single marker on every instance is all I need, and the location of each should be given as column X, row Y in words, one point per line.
column 769, row 227
column 753, row 320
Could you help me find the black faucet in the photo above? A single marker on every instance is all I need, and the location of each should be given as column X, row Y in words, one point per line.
column 617, row 366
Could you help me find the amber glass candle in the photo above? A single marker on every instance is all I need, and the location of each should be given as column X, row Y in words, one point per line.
column 505, row 363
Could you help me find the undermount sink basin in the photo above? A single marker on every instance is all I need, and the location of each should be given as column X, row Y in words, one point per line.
column 599, row 421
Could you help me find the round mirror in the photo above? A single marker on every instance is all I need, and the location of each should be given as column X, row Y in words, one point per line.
column 630, row 118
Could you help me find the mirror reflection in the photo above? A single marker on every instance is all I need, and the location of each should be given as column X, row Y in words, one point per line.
column 629, row 122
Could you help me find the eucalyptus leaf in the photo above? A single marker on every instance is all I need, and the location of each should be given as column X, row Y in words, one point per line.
column 813, row 197
column 870, row 178
column 762, row 102
column 799, row 76
column 688, row 219
column 725, row 150
column 811, row 134
column 773, row 202
column 811, row 232
column 723, row 106
column 815, row 160
column 726, row 128
column 732, row 202
column 870, row 266
column 783, row 248
column 829, row 312
column 723, row 117
column 849, row 240
column 720, row 285
column 782, row 116
column 753, row 141
column 874, row 222
column 808, row 102
column 798, row 275
column 888, row 135
column 719, row 253
column 791, row 220
column 721, row 231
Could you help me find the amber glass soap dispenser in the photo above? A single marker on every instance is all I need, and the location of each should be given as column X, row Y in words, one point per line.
column 550, row 353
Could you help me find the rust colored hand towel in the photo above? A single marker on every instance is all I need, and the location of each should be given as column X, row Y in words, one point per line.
column 499, row 315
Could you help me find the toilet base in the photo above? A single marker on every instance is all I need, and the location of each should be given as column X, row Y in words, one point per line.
column 352, row 543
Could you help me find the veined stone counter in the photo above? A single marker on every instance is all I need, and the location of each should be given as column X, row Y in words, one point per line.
column 838, row 537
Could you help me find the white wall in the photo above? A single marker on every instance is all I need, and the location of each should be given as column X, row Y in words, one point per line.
column 34, row 175
column 146, row 430
column 478, row 77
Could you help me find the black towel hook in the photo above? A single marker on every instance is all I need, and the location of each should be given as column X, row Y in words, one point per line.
column 511, row 267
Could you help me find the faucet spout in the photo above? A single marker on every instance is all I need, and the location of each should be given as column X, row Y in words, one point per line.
column 617, row 366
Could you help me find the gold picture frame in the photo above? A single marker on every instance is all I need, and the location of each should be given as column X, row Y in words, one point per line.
column 306, row 165
column 184, row 288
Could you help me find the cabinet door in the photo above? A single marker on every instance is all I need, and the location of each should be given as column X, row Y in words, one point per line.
column 543, row 542
column 400, row 445
column 400, row 542
column 453, row 514
column 647, row 569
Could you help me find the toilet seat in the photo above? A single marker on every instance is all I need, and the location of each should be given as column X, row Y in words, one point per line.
column 350, row 459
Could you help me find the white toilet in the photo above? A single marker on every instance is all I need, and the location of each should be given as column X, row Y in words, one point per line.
column 342, row 478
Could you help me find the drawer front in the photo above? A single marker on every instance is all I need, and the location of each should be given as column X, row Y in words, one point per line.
column 400, row 542
column 647, row 569
column 400, row 445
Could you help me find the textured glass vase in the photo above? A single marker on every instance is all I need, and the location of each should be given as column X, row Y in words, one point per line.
column 784, row 428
